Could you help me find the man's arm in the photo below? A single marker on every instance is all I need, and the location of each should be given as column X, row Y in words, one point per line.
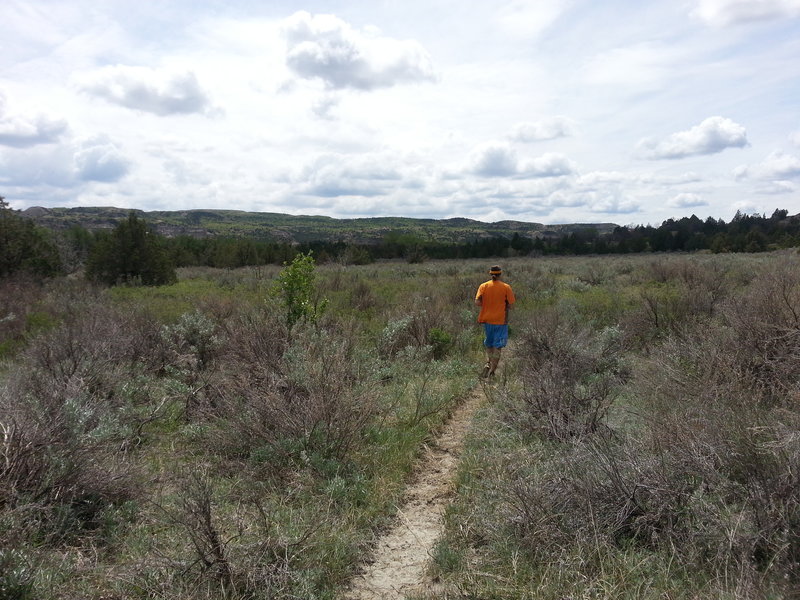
column 510, row 299
column 479, row 296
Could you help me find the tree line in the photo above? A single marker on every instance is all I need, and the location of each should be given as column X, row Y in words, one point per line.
column 133, row 253
column 744, row 233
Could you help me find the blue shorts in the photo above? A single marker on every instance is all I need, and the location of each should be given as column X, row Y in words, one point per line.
column 496, row 335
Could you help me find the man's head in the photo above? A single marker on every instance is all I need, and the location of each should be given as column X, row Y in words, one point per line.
column 495, row 272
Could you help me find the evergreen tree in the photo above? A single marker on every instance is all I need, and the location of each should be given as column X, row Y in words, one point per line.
column 132, row 253
column 25, row 247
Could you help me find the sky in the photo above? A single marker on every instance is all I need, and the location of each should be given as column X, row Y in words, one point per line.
column 549, row 111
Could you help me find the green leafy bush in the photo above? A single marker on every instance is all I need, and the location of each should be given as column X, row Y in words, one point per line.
column 440, row 341
column 16, row 577
column 296, row 290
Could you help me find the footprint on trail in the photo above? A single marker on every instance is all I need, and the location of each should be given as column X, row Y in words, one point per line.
column 399, row 563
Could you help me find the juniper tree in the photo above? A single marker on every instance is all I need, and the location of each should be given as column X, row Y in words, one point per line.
column 132, row 253
column 24, row 246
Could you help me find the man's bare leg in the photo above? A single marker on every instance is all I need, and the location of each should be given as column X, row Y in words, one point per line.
column 494, row 359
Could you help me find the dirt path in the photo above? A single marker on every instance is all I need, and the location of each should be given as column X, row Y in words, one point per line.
column 398, row 565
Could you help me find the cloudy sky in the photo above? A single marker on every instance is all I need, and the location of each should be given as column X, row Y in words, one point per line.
column 553, row 111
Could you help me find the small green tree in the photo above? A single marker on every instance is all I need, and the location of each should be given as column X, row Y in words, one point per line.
column 131, row 254
column 296, row 290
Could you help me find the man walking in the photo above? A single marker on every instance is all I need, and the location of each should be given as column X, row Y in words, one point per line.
column 495, row 298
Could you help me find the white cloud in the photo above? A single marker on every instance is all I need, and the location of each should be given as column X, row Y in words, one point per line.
column 323, row 107
column 494, row 160
column 49, row 165
column 597, row 179
column 185, row 173
column 713, row 135
column 494, row 199
column 159, row 92
column 741, row 172
column 546, row 129
column 98, row 159
column 19, row 131
column 610, row 203
column 568, row 196
column 499, row 160
column 686, row 200
column 529, row 19
column 69, row 166
column 551, row 164
column 680, row 178
column 778, row 165
column 560, row 199
column 642, row 66
column 794, row 138
column 328, row 48
column 721, row 13
column 334, row 175
column 510, row 73
column 747, row 207
column 778, row 187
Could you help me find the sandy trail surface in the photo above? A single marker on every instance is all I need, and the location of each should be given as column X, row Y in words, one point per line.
column 399, row 563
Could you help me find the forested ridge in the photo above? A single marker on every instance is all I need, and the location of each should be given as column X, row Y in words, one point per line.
column 279, row 227
column 55, row 249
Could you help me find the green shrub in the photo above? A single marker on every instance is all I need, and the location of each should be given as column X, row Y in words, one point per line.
column 16, row 577
column 193, row 338
column 395, row 336
column 39, row 321
column 296, row 290
column 440, row 341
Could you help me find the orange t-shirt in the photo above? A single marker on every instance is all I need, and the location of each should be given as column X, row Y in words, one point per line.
column 497, row 297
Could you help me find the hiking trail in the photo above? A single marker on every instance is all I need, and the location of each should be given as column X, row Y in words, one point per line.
column 398, row 566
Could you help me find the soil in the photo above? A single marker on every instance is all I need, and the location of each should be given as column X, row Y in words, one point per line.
column 399, row 564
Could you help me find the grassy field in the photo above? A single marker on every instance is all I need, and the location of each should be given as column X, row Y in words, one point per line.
column 184, row 442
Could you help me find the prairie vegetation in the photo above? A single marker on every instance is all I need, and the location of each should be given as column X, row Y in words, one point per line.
column 201, row 440
column 645, row 443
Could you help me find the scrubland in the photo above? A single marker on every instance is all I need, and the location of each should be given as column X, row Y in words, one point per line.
column 645, row 443
column 643, row 439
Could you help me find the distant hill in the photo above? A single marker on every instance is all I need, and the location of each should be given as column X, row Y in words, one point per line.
column 279, row 227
